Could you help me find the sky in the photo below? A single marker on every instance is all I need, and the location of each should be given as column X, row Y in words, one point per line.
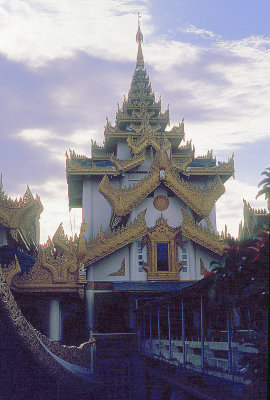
column 65, row 65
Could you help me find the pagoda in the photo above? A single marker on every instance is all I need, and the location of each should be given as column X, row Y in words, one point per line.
column 148, row 208
column 149, row 224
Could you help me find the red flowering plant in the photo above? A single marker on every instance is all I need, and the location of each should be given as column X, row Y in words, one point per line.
column 242, row 277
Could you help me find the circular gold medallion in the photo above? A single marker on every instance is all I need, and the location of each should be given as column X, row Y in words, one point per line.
column 161, row 203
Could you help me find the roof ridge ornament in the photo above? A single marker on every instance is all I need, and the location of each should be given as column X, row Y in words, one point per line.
column 139, row 40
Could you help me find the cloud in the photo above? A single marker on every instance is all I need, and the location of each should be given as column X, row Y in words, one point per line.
column 54, row 197
column 222, row 91
column 197, row 31
column 47, row 30
column 80, row 70
column 230, row 206
column 55, row 144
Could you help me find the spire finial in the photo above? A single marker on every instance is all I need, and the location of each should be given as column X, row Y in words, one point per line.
column 139, row 35
column 139, row 40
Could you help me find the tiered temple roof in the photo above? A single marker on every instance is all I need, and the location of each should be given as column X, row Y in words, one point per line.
column 141, row 124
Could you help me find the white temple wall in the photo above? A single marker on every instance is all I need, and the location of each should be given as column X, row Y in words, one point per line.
column 146, row 165
column 173, row 213
column 192, row 260
column 186, row 275
column 101, row 212
column 213, row 219
column 137, row 272
column 101, row 270
column 123, row 151
column 206, row 256
column 96, row 206
column 110, row 264
column 96, row 209
column 129, row 179
column 87, row 206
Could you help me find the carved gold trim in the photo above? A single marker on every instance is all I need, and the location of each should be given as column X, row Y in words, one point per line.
column 99, row 152
column 252, row 219
column 161, row 202
column 121, row 271
column 12, row 270
column 177, row 130
column 162, row 232
column 57, row 265
column 125, row 165
column 19, row 216
column 138, row 146
column 60, row 260
column 181, row 163
column 75, row 167
column 108, row 242
column 201, row 235
column 123, row 201
column 225, row 168
column 39, row 344
column 201, row 200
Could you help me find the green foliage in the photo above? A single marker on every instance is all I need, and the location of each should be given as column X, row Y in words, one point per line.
column 266, row 187
column 243, row 270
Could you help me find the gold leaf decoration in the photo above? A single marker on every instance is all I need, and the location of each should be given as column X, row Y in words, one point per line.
column 121, row 271
column 108, row 242
column 162, row 232
column 21, row 216
column 201, row 235
column 161, row 202
column 200, row 200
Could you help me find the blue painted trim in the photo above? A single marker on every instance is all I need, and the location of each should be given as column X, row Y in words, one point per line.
column 151, row 286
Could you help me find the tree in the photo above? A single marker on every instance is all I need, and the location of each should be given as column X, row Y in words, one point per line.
column 266, row 187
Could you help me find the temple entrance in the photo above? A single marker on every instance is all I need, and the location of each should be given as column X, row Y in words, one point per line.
column 111, row 312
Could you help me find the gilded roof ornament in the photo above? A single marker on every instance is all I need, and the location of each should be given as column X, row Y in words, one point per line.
column 200, row 200
column 106, row 243
column 254, row 220
column 21, row 216
column 139, row 40
column 142, row 124
column 57, row 267
column 202, row 235
column 162, row 232
column 223, row 168
column 81, row 165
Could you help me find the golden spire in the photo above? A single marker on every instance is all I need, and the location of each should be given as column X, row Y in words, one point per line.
column 139, row 40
